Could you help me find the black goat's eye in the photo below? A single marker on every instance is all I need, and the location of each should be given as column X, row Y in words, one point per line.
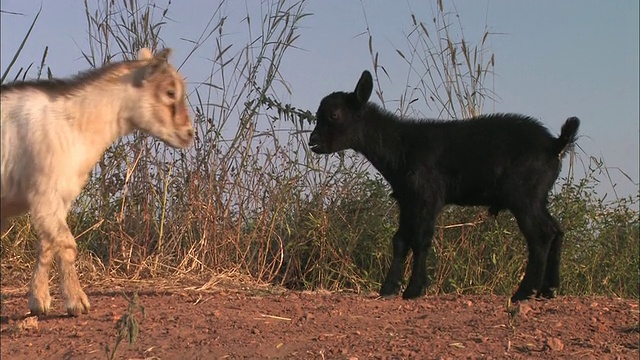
column 334, row 116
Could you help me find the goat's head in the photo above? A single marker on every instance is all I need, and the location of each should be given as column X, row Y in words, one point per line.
column 161, row 110
column 339, row 119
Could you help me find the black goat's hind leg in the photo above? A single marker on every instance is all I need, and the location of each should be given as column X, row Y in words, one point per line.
column 536, row 232
column 551, row 280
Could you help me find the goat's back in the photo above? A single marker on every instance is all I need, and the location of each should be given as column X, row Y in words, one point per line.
column 501, row 135
column 485, row 160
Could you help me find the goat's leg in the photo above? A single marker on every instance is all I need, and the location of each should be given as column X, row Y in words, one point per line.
column 39, row 297
column 418, row 282
column 56, row 238
column 536, row 232
column 76, row 300
column 393, row 281
column 424, row 228
column 551, row 280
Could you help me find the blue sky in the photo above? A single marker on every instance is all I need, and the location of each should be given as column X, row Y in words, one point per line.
column 554, row 59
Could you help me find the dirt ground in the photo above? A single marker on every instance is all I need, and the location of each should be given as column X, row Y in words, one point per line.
column 257, row 324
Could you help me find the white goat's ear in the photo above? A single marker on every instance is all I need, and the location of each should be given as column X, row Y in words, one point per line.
column 364, row 87
column 156, row 64
column 163, row 55
column 144, row 54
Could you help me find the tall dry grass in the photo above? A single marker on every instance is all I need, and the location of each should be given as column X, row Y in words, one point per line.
column 250, row 199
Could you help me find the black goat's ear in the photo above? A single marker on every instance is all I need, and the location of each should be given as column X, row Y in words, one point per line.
column 364, row 87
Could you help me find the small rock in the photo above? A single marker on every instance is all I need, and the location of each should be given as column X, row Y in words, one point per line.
column 28, row 323
column 525, row 309
column 479, row 339
column 555, row 344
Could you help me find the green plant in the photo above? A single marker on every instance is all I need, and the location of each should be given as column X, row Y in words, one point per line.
column 128, row 326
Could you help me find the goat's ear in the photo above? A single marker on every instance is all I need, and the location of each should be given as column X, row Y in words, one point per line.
column 364, row 87
column 155, row 64
column 144, row 54
column 163, row 55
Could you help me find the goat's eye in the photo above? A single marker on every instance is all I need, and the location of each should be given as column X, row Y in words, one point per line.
column 334, row 116
column 171, row 93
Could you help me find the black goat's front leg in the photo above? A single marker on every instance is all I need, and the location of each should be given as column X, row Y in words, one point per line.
column 423, row 227
column 393, row 281
column 420, row 246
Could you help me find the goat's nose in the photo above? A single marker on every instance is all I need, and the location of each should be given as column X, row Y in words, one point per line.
column 190, row 133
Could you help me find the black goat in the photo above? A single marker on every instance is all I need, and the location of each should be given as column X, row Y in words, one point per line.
column 503, row 161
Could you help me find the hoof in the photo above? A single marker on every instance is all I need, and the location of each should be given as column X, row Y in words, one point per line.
column 414, row 292
column 521, row 296
column 78, row 304
column 389, row 290
column 546, row 293
column 76, row 311
column 39, row 307
column 41, row 311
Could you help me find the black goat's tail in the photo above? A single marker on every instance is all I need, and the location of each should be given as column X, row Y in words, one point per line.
column 568, row 136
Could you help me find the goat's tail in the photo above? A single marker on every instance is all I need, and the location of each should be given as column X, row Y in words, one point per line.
column 568, row 136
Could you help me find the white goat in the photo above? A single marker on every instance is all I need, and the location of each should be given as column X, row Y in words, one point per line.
column 53, row 134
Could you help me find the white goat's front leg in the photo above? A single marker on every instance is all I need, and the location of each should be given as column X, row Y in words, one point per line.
column 39, row 298
column 76, row 300
column 56, row 239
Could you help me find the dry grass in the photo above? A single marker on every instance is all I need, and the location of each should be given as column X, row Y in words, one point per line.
column 249, row 204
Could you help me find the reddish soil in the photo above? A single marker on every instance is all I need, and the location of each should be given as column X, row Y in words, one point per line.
column 257, row 324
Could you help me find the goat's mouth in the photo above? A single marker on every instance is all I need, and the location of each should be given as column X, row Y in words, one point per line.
column 185, row 143
column 187, row 139
column 317, row 148
column 179, row 140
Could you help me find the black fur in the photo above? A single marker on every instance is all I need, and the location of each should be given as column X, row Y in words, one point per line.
column 503, row 161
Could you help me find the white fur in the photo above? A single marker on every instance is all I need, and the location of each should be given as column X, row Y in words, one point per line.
column 51, row 141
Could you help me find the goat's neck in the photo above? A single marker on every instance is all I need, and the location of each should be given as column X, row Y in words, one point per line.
column 380, row 141
column 98, row 117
